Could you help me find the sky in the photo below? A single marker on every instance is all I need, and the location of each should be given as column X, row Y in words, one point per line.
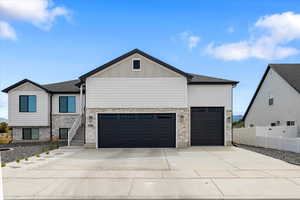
column 50, row 41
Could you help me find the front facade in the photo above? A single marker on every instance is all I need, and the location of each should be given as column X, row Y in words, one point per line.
column 134, row 100
column 276, row 100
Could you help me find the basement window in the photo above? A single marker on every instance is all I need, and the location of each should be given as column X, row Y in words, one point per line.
column 63, row 133
column 136, row 64
column 30, row 133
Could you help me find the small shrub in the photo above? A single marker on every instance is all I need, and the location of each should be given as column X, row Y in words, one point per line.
column 26, row 159
column 47, row 152
column 37, row 155
column 3, row 164
column 18, row 160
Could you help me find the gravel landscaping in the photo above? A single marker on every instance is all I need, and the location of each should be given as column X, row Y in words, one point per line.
column 24, row 150
column 287, row 156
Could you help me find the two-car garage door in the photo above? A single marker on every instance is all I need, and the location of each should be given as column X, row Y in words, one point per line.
column 159, row 129
column 137, row 130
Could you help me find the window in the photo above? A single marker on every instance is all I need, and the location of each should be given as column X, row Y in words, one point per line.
column 30, row 133
column 271, row 101
column 27, row 103
column 63, row 133
column 67, row 104
column 290, row 123
column 136, row 64
column 273, row 124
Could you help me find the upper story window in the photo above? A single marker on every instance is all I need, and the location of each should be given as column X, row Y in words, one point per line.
column 27, row 103
column 136, row 64
column 271, row 101
column 67, row 104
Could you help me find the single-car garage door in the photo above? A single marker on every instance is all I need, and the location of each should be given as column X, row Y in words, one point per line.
column 207, row 126
column 136, row 130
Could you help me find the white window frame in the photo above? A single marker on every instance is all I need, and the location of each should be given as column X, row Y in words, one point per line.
column 136, row 70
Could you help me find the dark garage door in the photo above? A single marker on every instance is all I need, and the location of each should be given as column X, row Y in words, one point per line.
column 207, row 126
column 136, row 130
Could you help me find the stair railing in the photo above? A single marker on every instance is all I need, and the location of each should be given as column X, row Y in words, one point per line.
column 77, row 123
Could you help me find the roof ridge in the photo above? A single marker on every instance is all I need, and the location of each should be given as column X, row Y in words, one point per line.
column 148, row 56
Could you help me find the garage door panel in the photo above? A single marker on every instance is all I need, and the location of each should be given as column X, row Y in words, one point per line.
column 207, row 126
column 136, row 130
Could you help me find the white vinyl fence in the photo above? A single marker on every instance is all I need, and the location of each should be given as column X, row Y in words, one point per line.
column 279, row 137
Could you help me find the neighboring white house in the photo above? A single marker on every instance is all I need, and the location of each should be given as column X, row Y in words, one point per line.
column 276, row 101
column 134, row 100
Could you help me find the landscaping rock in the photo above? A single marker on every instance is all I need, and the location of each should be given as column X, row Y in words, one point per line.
column 287, row 156
column 24, row 150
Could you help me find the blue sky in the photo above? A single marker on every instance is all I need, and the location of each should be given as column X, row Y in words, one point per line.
column 59, row 40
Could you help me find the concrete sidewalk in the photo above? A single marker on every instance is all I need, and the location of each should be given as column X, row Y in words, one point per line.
column 193, row 173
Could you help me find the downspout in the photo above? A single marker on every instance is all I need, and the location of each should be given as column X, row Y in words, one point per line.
column 51, row 138
column 232, row 114
column 84, row 112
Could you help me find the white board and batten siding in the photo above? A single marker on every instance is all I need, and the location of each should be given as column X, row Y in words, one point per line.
column 38, row 118
column 55, row 103
column 210, row 96
column 124, row 92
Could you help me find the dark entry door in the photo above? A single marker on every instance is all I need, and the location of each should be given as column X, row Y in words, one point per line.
column 207, row 126
column 136, row 130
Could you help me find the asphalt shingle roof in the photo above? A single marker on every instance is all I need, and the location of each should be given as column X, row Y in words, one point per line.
column 196, row 78
column 290, row 73
column 61, row 87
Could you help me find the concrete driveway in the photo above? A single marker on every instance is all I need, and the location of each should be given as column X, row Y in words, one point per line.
column 192, row 173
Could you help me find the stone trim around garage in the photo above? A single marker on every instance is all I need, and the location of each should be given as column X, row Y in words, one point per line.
column 62, row 121
column 228, row 127
column 182, row 122
column 44, row 134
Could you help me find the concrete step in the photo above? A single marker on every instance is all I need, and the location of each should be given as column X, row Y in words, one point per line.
column 78, row 139
column 77, row 143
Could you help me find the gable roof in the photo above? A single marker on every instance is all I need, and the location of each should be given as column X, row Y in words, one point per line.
column 289, row 72
column 22, row 82
column 60, row 87
column 72, row 86
column 192, row 78
column 108, row 64
column 200, row 79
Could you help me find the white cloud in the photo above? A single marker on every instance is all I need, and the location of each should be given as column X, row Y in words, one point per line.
column 193, row 41
column 190, row 40
column 6, row 31
column 41, row 13
column 269, row 40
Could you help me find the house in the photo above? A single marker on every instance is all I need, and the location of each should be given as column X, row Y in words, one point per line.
column 276, row 100
column 135, row 100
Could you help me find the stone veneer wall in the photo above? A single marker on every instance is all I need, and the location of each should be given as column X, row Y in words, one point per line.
column 228, row 127
column 62, row 121
column 182, row 122
column 44, row 134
